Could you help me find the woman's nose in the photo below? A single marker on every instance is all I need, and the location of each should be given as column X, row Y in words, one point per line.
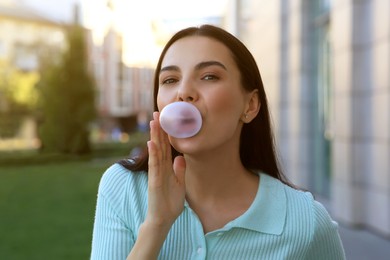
column 186, row 98
column 187, row 92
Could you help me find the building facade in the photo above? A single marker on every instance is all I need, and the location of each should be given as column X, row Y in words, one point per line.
column 26, row 37
column 124, row 93
column 325, row 66
column 23, row 34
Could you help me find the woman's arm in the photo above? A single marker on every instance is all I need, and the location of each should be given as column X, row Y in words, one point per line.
column 149, row 242
column 326, row 242
column 166, row 194
column 112, row 239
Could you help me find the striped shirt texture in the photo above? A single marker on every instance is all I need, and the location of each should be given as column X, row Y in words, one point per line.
column 281, row 223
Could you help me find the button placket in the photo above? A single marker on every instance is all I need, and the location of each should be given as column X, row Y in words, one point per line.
column 200, row 248
column 212, row 240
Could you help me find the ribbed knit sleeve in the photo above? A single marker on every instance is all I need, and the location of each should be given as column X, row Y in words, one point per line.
column 112, row 238
column 326, row 243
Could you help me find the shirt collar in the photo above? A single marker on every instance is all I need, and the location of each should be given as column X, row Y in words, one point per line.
column 268, row 211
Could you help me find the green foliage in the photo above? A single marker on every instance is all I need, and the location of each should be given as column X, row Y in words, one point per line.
column 17, row 98
column 67, row 94
column 9, row 124
column 17, row 90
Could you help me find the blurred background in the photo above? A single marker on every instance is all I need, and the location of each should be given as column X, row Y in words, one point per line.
column 76, row 95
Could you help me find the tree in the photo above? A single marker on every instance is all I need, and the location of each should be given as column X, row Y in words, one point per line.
column 67, row 99
column 17, row 97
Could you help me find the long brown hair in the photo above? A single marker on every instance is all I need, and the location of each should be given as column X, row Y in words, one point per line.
column 257, row 148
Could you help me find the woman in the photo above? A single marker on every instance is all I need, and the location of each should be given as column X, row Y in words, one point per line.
column 219, row 194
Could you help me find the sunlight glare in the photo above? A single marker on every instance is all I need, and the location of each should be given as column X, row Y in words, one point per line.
column 134, row 21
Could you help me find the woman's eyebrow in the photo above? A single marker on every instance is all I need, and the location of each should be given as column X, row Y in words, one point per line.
column 170, row 68
column 198, row 66
column 205, row 64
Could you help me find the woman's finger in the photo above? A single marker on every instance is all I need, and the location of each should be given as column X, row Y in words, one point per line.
column 165, row 145
column 179, row 167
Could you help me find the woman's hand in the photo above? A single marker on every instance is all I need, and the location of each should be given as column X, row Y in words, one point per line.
column 166, row 187
column 166, row 194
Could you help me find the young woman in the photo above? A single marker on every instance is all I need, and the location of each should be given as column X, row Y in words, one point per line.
column 216, row 195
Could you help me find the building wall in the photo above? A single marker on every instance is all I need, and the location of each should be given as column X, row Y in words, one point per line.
column 124, row 92
column 361, row 142
column 20, row 39
column 333, row 133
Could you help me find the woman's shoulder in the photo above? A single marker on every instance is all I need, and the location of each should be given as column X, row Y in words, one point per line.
column 116, row 180
column 309, row 222
column 297, row 196
column 302, row 206
column 122, row 198
column 301, row 198
column 294, row 197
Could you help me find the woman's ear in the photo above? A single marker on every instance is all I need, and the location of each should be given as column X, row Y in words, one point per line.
column 252, row 106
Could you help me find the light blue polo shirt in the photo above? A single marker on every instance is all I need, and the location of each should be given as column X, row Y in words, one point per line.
column 281, row 223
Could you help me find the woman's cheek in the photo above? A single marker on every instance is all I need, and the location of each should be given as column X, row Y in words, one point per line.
column 224, row 103
column 163, row 99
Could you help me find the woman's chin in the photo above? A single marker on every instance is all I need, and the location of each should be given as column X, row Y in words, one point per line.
column 185, row 145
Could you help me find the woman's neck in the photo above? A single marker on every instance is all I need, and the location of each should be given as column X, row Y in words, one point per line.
column 216, row 177
column 219, row 189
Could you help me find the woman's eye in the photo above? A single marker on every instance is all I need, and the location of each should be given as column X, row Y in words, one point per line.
column 210, row 77
column 169, row 81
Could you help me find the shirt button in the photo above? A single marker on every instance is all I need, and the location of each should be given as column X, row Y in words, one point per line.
column 199, row 251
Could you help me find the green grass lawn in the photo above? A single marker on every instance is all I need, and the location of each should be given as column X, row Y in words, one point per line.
column 47, row 210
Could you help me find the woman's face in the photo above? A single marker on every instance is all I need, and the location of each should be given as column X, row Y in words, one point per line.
column 201, row 70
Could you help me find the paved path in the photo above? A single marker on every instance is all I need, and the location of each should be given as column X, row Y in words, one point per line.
column 362, row 245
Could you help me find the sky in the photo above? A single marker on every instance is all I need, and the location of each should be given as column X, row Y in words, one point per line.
column 132, row 18
column 62, row 9
column 59, row 10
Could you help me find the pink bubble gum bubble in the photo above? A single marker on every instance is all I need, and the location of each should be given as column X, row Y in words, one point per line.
column 180, row 119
